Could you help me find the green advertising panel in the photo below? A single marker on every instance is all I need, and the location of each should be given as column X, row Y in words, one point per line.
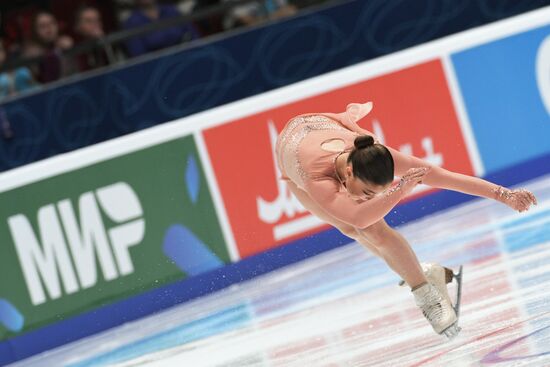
column 104, row 232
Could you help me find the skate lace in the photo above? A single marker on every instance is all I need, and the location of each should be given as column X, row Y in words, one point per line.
column 431, row 307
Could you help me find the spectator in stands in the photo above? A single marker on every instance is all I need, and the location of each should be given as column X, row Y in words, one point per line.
column 13, row 81
column 254, row 13
column 211, row 24
column 48, row 44
column 148, row 11
column 88, row 26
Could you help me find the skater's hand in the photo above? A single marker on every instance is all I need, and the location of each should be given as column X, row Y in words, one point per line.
column 519, row 199
column 413, row 177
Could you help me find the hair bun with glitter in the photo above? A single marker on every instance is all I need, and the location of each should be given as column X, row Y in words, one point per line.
column 363, row 141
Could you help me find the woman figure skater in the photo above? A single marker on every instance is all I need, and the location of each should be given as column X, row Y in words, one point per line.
column 343, row 175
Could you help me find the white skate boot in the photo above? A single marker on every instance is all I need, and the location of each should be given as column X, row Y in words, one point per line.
column 440, row 276
column 437, row 309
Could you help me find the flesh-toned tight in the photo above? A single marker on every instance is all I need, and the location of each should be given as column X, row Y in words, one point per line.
column 382, row 240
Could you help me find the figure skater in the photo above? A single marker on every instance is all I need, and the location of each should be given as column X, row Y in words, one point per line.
column 343, row 175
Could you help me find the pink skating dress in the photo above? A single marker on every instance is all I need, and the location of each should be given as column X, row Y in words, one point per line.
column 301, row 160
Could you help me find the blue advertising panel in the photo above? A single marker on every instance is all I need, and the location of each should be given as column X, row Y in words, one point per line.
column 505, row 87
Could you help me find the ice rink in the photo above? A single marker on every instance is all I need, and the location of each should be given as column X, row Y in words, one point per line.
column 344, row 308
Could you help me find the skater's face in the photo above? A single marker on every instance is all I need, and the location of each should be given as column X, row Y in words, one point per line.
column 359, row 189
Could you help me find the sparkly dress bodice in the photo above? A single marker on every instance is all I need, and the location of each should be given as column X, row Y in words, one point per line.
column 299, row 151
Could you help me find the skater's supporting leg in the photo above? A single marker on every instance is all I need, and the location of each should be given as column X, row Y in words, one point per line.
column 379, row 238
column 396, row 251
column 356, row 234
column 345, row 228
column 390, row 245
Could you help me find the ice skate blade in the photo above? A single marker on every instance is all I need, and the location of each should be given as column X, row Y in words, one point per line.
column 458, row 277
column 452, row 331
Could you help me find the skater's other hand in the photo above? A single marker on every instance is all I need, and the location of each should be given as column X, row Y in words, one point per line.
column 519, row 199
column 413, row 177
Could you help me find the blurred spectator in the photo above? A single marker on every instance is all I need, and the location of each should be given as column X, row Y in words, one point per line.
column 89, row 26
column 14, row 81
column 212, row 24
column 48, row 44
column 16, row 25
column 148, row 11
column 88, row 23
column 253, row 13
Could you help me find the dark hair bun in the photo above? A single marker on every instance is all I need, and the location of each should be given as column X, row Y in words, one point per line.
column 363, row 141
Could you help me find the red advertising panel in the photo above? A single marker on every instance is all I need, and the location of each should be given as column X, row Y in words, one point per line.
column 413, row 112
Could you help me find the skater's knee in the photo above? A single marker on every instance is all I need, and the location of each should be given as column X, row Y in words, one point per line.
column 377, row 233
column 354, row 233
column 349, row 231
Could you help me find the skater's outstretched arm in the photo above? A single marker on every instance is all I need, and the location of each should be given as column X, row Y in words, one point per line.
column 438, row 177
column 441, row 178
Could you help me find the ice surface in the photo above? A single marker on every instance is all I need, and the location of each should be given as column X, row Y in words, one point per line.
column 344, row 308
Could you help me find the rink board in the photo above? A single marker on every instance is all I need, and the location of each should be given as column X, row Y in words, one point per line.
column 198, row 212
column 344, row 308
